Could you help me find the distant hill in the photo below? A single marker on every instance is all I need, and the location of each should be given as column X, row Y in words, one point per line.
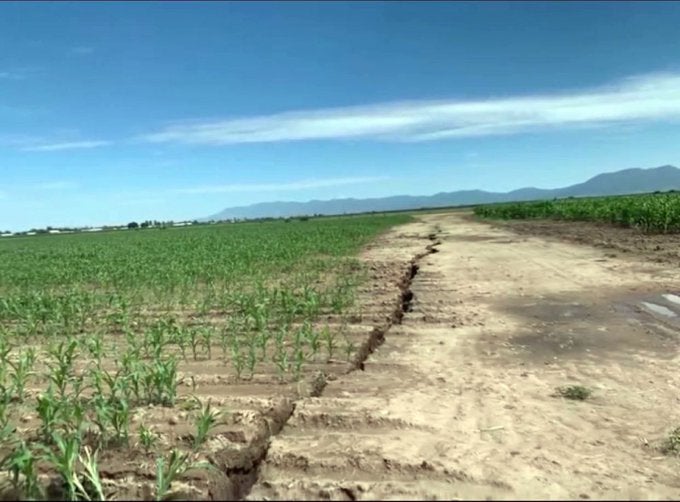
column 628, row 181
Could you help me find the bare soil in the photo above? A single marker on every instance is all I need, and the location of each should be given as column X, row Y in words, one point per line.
column 459, row 401
column 657, row 248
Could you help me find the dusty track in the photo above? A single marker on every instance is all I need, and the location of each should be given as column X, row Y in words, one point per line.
column 457, row 402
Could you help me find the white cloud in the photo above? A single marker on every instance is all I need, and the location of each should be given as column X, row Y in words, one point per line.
column 275, row 187
column 643, row 98
column 72, row 145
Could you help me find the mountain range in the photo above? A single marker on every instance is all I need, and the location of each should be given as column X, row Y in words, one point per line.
column 627, row 181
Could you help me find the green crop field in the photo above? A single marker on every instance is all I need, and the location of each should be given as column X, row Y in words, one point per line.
column 94, row 326
column 651, row 213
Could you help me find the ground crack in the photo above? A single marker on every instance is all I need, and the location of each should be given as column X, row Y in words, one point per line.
column 246, row 478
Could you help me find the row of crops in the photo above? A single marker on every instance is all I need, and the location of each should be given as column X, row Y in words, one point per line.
column 651, row 213
column 93, row 327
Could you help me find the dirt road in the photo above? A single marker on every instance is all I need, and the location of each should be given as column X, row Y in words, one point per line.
column 458, row 401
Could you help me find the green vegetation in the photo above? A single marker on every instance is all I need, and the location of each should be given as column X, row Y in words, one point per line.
column 671, row 445
column 95, row 326
column 651, row 213
column 575, row 392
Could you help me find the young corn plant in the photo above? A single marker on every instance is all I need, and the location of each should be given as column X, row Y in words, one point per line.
column 224, row 342
column 21, row 374
column 282, row 362
column 350, row 349
column 102, row 417
column 65, row 462
column 171, row 469
column 181, row 340
column 207, row 335
column 120, row 420
column 314, row 341
column 75, row 416
column 251, row 359
column 160, row 382
column 205, row 422
column 61, row 370
column 329, row 340
column 194, row 341
column 7, row 429
column 95, row 347
column 299, row 359
column 155, row 340
column 280, row 339
column 262, row 340
column 21, row 464
column 147, row 438
column 237, row 357
column 93, row 488
column 49, row 410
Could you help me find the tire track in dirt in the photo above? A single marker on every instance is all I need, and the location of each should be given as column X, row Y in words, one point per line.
column 458, row 402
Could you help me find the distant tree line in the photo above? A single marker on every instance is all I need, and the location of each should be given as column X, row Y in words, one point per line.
column 159, row 224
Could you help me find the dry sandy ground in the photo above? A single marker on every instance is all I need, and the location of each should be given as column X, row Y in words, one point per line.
column 458, row 401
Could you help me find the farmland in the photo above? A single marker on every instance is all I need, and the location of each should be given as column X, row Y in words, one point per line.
column 652, row 213
column 122, row 346
column 434, row 356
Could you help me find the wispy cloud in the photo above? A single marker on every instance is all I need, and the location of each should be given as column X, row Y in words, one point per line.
column 12, row 75
column 635, row 99
column 70, row 145
column 82, row 50
column 19, row 73
column 276, row 187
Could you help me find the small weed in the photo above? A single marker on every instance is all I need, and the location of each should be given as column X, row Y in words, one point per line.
column 671, row 445
column 575, row 392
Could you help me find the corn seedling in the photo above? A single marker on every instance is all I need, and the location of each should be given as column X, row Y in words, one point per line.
column 147, row 438
column 282, row 362
column 299, row 359
column 21, row 463
column 93, row 488
column 170, row 470
column 237, row 357
column 329, row 340
column 120, row 420
column 252, row 357
column 262, row 340
column 102, row 417
column 350, row 348
column 65, row 461
column 207, row 334
column 205, row 421
column 21, row 374
column 160, row 381
column 49, row 412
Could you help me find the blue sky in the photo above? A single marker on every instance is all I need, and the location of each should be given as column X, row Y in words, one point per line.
column 111, row 112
